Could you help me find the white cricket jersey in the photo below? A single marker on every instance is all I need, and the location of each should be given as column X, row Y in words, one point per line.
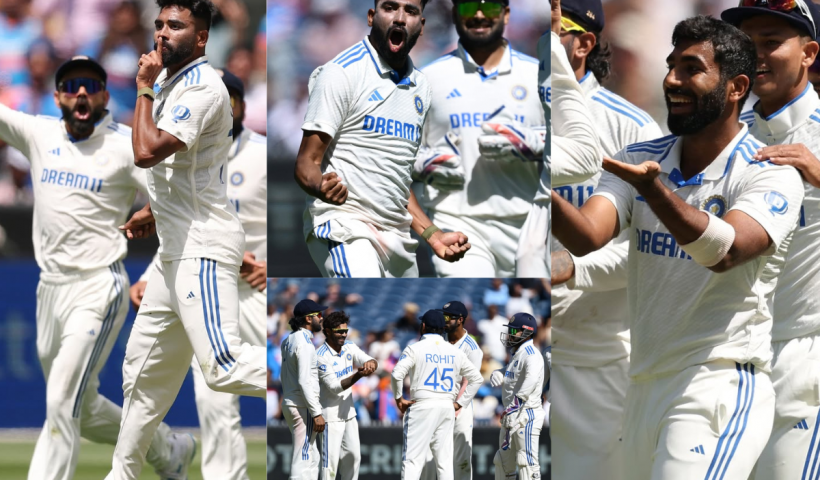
column 375, row 121
column 248, row 189
column 543, row 193
column 796, row 303
column 188, row 190
column 433, row 364
column 300, row 373
column 469, row 347
column 83, row 189
column 681, row 313
column 589, row 329
column 576, row 153
column 524, row 377
column 465, row 95
column 337, row 404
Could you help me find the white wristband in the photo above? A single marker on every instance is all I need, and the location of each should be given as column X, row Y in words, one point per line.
column 713, row 244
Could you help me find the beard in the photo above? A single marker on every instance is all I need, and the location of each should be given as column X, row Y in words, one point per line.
column 175, row 55
column 471, row 41
column 82, row 128
column 315, row 325
column 708, row 108
column 381, row 40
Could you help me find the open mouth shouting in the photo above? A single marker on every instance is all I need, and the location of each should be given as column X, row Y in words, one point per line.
column 396, row 38
column 82, row 111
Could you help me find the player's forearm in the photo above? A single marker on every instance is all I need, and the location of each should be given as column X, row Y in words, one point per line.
column 145, row 134
column 397, row 385
column 474, row 383
column 574, row 229
column 685, row 222
column 563, row 268
column 308, row 171
column 349, row 381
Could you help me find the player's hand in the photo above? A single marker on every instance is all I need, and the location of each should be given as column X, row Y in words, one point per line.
column 796, row 155
column 140, row 225
column 318, row 424
column 642, row 176
column 403, row 404
column 556, row 16
column 369, row 367
column 136, row 293
column 150, row 65
column 449, row 246
column 511, row 142
column 332, row 189
column 457, row 406
column 497, row 378
column 254, row 271
column 440, row 167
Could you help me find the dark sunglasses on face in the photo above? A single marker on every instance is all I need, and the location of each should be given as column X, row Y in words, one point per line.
column 72, row 86
column 489, row 9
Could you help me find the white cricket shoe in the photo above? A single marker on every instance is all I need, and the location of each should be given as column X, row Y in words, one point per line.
column 183, row 451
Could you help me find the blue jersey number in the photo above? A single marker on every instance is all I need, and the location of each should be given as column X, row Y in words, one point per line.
column 432, row 380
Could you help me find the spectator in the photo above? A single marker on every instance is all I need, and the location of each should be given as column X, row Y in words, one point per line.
column 519, row 301
column 18, row 31
column 336, row 300
column 409, row 321
column 383, row 347
column 491, row 329
column 37, row 98
column 287, row 296
column 497, row 294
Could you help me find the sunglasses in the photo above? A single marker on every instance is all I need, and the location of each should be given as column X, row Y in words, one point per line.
column 72, row 87
column 317, row 314
column 514, row 331
column 781, row 6
column 568, row 25
column 339, row 330
column 489, row 9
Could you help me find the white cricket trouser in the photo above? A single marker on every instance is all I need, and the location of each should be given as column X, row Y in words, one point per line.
column 518, row 448
column 493, row 243
column 708, row 421
column 340, row 450
column 462, row 448
column 428, row 425
column 190, row 307
column 587, row 415
column 793, row 451
column 347, row 248
column 224, row 453
column 532, row 256
column 304, row 465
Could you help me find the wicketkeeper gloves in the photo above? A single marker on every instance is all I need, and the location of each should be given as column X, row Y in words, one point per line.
column 440, row 166
column 511, row 141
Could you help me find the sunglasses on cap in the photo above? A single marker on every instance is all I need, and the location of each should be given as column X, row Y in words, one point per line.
column 781, row 6
column 72, row 86
column 568, row 26
column 489, row 9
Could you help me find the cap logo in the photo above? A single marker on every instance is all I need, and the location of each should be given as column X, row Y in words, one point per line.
column 590, row 14
column 446, row 305
column 79, row 57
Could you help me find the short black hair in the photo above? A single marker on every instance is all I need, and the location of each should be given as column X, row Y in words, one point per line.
column 335, row 319
column 296, row 323
column 423, row 3
column 599, row 60
column 439, row 331
column 735, row 51
column 200, row 9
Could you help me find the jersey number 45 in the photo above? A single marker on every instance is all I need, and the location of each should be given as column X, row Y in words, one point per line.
column 433, row 380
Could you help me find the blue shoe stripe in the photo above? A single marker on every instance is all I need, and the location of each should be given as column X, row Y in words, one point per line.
column 812, row 451
column 205, row 315
column 219, row 318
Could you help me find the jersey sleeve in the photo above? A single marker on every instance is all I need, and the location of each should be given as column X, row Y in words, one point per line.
column 602, row 270
column 327, row 378
column 474, row 379
column 306, row 359
column 476, row 356
column 190, row 113
column 329, row 100
column 406, row 361
column 617, row 191
column 359, row 357
column 772, row 197
column 533, row 373
column 17, row 128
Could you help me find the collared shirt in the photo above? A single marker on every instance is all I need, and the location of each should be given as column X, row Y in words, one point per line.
column 337, row 404
column 83, row 189
column 470, row 348
column 681, row 313
column 797, row 312
column 589, row 328
column 543, row 193
column 248, row 189
column 524, row 377
column 188, row 190
column 374, row 117
column 300, row 373
column 465, row 95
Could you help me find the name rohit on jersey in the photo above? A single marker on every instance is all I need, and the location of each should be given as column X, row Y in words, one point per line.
column 71, row 180
column 436, row 358
column 661, row 244
column 394, row 128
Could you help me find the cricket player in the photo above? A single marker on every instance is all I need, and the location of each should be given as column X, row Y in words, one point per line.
column 485, row 116
column 362, row 130
column 455, row 314
column 337, row 373
column 590, row 333
column 522, row 382
column 182, row 132
column 218, row 412
column 433, row 365
column 709, row 228
column 787, row 119
column 84, row 182
column 300, row 389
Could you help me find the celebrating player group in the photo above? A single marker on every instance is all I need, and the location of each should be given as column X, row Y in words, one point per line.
column 468, row 129
column 685, row 332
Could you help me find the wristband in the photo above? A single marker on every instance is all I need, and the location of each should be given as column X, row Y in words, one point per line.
column 147, row 91
column 713, row 244
column 429, row 231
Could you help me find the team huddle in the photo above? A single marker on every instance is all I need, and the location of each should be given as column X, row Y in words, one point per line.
column 442, row 369
column 452, row 152
column 187, row 144
column 685, row 324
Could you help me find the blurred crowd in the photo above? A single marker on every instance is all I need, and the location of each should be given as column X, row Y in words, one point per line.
column 385, row 338
column 304, row 34
column 36, row 36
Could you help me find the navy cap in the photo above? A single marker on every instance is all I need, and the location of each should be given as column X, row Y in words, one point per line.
column 80, row 61
column 796, row 16
column 232, row 82
column 433, row 319
column 589, row 13
column 455, row 308
column 524, row 321
column 306, row 307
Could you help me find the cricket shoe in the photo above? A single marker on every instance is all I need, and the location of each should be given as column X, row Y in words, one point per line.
column 183, row 451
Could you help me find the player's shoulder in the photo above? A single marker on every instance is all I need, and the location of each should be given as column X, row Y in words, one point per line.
column 650, row 149
column 442, row 64
column 615, row 105
column 520, row 59
column 323, row 351
column 748, row 117
column 745, row 151
column 470, row 344
column 49, row 119
column 119, row 131
column 350, row 62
